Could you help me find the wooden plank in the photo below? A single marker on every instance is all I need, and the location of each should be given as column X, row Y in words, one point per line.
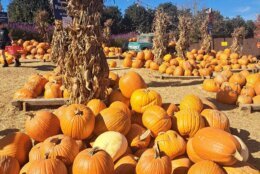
column 181, row 77
column 249, row 108
column 115, row 57
column 33, row 60
column 250, row 70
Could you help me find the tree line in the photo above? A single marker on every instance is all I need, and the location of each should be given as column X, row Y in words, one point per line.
column 138, row 18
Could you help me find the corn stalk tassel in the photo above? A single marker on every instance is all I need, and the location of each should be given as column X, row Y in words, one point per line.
column 206, row 37
column 86, row 69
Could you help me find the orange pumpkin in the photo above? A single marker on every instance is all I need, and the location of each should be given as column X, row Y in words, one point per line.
column 178, row 71
column 23, row 94
column 16, row 145
column 35, row 153
column 191, row 102
column 141, row 99
column 148, row 55
column 244, row 99
column 153, row 161
column 112, row 119
column 227, row 96
column 9, row 165
column 78, row 121
column 170, row 108
column 257, row 87
column 252, row 79
column 59, row 112
column 154, row 66
column 193, row 156
column 156, row 120
column 238, row 78
column 147, row 63
column 117, row 95
column 256, row 99
column 131, row 82
column 187, row 122
column 126, row 165
column 60, row 146
column 206, row 167
column 171, row 143
column 140, row 55
column 127, row 62
column 52, row 90
column 96, row 106
column 135, row 139
column 113, row 79
column 121, row 106
column 216, row 119
column 137, row 64
column 93, row 161
column 245, row 73
column 210, row 85
column 227, row 151
column 248, row 91
column 180, row 165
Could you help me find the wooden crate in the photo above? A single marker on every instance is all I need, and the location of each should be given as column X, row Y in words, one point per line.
column 168, row 77
column 249, row 108
column 26, row 104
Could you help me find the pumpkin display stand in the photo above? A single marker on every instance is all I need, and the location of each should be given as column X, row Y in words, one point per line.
column 249, row 108
column 33, row 60
column 182, row 77
column 115, row 57
column 38, row 103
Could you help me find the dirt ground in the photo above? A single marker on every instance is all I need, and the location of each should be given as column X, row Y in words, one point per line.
column 246, row 127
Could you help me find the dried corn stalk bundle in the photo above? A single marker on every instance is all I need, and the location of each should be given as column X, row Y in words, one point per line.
column 57, row 40
column 160, row 40
column 41, row 22
column 238, row 38
column 86, row 69
column 206, row 37
column 185, row 32
column 107, row 31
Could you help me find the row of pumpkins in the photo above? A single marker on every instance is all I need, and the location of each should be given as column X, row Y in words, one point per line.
column 235, row 88
column 134, row 133
column 35, row 50
column 197, row 64
column 112, row 51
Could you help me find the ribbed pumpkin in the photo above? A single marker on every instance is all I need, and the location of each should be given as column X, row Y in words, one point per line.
column 216, row 119
column 60, row 146
column 238, row 78
column 24, row 94
column 156, row 120
column 140, row 55
column 16, row 145
column 135, row 139
column 256, row 99
column 170, row 108
column 52, row 166
column 171, row 143
column 244, row 99
column 117, row 95
column 9, row 165
column 41, row 125
column 245, row 73
column 252, row 79
column 39, row 82
column 241, row 168
column 257, row 88
column 193, row 156
column 94, row 161
column 122, row 106
column 248, row 91
column 188, row 122
column 78, row 121
column 126, row 165
column 25, row 168
column 114, row 143
column 210, row 85
column 137, row 64
column 153, row 161
column 35, row 153
column 112, row 119
column 52, row 90
column 59, row 112
column 191, row 102
column 227, row 96
column 217, row 145
column 179, row 71
column 141, row 99
column 206, row 167
column 130, row 82
column 147, row 63
column 180, row 165
column 96, row 106
column 148, row 55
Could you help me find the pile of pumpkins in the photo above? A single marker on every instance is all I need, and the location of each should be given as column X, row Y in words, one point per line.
column 48, row 85
column 235, row 88
column 112, row 51
column 35, row 50
column 133, row 133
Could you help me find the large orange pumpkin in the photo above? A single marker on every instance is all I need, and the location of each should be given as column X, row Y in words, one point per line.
column 24, row 94
column 16, row 145
column 96, row 106
column 156, row 120
column 148, row 55
column 94, row 161
column 112, row 119
column 122, row 106
column 206, row 167
column 141, row 99
column 126, row 165
column 9, row 165
column 238, row 78
column 256, row 99
column 127, row 62
column 187, row 122
column 60, row 146
column 131, row 82
column 35, row 153
column 210, row 85
column 52, row 90
column 248, row 91
column 59, row 112
column 41, row 125
column 216, row 119
column 227, row 96
column 78, row 121
column 171, row 143
column 191, row 102
column 193, row 156
column 153, row 161
column 117, row 95
column 134, row 137
column 252, row 79
column 217, row 145
column 180, row 165
column 257, row 88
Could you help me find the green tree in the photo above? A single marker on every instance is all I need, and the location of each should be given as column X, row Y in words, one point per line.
column 25, row 10
column 139, row 18
column 113, row 12
column 172, row 11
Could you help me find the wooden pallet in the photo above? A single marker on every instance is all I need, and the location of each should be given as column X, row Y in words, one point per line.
column 115, row 57
column 26, row 104
column 250, row 70
column 249, row 108
column 181, row 77
column 33, row 60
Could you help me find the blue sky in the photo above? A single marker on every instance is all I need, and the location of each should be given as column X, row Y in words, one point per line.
column 248, row 9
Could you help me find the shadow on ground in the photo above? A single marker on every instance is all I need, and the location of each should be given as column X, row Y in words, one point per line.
column 173, row 83
column 43, row 67
column 8, row 131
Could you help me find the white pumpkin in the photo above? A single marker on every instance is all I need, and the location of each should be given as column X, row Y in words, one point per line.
column 114, row 143
column 244, row 150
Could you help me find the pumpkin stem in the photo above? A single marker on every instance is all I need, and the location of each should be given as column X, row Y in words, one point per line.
column 94, row 150
column 79, row 112
column 238, row 156
column 145, row 135
column 46, row 155
column 136, row 158
column 157, row 150
column 56, row 141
